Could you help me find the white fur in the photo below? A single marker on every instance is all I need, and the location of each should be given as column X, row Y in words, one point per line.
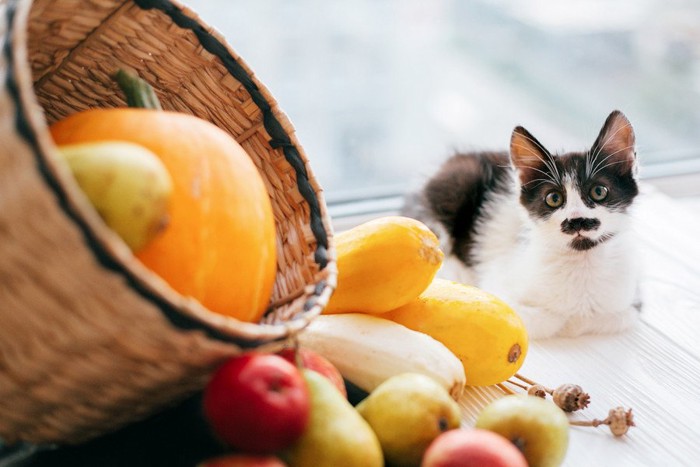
column 556, row 290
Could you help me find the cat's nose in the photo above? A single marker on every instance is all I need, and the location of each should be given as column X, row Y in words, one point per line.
column 572, row 226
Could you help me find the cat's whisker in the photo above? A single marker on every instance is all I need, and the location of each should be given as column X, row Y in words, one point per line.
column 536, row 143
column 602, row 162
column 599, row 147
column 588, row 164
column 546, row 174
column 605, row 143
column 610, row 137
column 600, row 165
column 610, row 164
column 550, row 175
column 551, row 163
column 541, row 182
column 531, row 151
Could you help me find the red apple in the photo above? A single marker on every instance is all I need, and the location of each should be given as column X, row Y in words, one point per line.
column 472, row 448
column 243, row 460
column 258, row 403
column 318, row 363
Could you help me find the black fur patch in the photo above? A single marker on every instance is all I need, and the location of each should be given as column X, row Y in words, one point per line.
column 573, row 226
column 581, row 243
column 455, row 194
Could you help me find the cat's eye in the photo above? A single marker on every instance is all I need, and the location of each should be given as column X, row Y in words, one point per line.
column 554, row 199
column 598, row 193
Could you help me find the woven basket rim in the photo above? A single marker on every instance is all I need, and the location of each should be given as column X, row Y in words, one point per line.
column 181, row 311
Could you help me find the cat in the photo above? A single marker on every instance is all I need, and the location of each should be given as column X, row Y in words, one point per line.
column 547, row 233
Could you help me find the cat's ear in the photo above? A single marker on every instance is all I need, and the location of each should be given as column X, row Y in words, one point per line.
column 527, row 155
column 615, row 143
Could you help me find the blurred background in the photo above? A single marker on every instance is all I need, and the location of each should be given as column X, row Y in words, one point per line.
column 382, row 91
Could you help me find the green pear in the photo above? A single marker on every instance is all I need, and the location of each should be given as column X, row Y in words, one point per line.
column 126, row 183
column 336, row 435
column 536, row 426
column 407, row 412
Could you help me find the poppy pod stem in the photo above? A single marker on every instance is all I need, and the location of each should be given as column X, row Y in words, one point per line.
column 139, row 94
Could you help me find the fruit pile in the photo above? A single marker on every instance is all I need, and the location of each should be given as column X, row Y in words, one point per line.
column 270, row 411
column 291, row 409
column 390, row 314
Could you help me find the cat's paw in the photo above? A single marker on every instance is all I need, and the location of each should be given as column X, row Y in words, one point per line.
column 611, row 322
column 624, row 320
column 540, row 324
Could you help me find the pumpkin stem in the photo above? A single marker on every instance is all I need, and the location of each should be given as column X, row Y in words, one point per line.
column 139, row 93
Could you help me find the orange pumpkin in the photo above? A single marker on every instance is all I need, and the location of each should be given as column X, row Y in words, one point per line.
column 219, row 246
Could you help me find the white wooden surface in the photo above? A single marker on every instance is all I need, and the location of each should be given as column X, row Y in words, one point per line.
column 653, row 369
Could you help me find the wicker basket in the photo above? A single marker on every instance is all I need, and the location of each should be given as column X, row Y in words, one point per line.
column 90, row 340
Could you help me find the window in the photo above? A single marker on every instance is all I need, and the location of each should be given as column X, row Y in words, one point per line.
column 381, row 91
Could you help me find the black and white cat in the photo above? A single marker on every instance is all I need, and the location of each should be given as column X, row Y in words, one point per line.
column 549, row 234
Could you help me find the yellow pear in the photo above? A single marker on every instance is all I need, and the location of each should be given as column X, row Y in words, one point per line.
column 126, row 183
column 336, row 435
column 407, row 412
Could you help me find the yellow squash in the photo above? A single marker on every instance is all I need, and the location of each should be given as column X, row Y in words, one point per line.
column 481, row 330
column 383, row 264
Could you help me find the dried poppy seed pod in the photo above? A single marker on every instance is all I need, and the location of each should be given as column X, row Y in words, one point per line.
column 620, row 420
column 537, row 390
column 570, row 397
